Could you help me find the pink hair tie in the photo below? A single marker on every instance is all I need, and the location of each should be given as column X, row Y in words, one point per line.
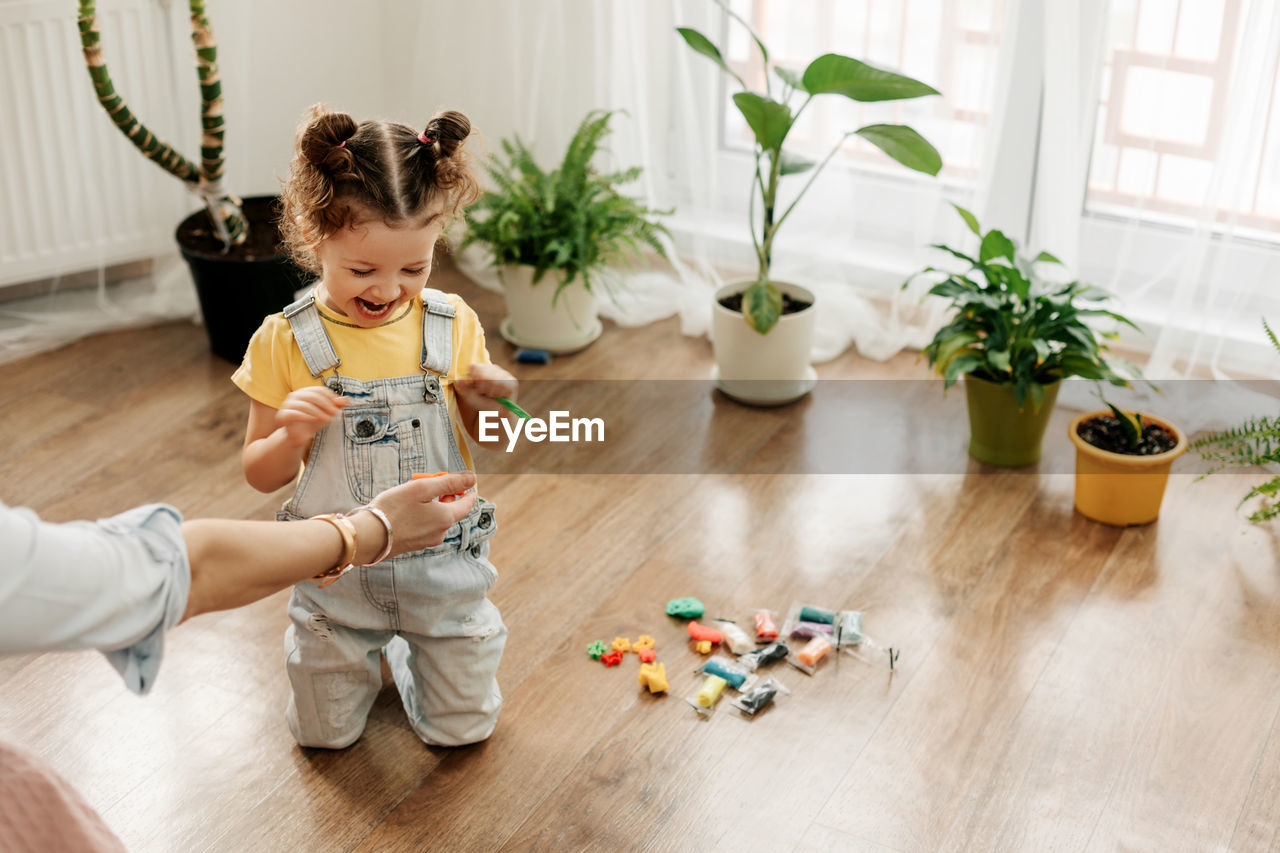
column 342, row 144
column 426, row 140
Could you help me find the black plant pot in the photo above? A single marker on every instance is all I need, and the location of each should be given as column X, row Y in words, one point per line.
column 237, row 289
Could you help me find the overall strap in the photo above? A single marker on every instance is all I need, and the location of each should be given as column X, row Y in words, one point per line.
column 437, row 331
column 308, row 331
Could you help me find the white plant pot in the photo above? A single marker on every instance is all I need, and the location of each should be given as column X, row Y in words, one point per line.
column 533, row 322
column 769, row 369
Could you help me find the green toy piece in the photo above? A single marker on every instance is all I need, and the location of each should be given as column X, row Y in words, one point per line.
column 685, row 608
column 596, row 650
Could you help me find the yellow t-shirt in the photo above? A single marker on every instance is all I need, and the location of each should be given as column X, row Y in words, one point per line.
column 273, row 365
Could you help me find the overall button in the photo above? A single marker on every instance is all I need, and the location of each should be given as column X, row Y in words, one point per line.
column 364, row 428
column 475, row 550
column 335, row 385
column 485, row 521
column 432, row 391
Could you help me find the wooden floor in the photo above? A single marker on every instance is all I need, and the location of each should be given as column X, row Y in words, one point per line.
column 1061, row 686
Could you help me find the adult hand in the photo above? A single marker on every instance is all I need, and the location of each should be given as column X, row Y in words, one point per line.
column 418, row 518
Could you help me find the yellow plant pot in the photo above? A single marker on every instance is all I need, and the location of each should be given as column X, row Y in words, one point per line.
column 1119, row 489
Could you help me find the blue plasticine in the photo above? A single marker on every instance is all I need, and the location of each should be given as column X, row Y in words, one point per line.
column 715, row 667
column 533, row 356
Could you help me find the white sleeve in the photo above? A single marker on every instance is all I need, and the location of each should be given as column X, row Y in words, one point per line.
column 115, row 585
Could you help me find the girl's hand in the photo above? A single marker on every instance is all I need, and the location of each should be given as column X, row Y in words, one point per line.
column 306, row 411
column 485, row 380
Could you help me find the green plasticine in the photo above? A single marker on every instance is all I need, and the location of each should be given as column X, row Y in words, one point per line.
column 817, row 614
column 685, row 608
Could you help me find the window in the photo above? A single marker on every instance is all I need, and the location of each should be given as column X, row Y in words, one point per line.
column 1161, row 147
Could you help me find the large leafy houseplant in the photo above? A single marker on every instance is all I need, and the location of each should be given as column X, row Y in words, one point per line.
column 571, row 221
column 772, row 115
column 1013, row 328
column 1252, row 443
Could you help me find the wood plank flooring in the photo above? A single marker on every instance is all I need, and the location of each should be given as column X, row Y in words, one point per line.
column 1061, row 686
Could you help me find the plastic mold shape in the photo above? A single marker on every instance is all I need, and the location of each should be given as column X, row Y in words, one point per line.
column 654, row 676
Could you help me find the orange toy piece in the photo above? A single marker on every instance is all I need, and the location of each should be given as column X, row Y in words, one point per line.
column 646, row 655
column 621, row 644
column 813, row 651
column 644, row 642
column 444, row 499
column 765, row 627
column 702, row 632
column 654, row 676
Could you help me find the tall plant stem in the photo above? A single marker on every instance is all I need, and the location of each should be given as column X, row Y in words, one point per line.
column 812, row 178
column 152, row 147
column 204, row 180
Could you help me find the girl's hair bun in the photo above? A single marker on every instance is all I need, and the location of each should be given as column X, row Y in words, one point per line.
column 448, row 129
column 322, row 134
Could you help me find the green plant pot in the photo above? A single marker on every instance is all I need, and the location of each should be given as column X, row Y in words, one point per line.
column 999, row 432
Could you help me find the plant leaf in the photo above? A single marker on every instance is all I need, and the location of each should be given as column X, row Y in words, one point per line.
column 843, row 75
column 1046, row 257
column 703, row 45
column 793, row 164
column 791, row 78
column 762, row 306
column 1130, row 425
column 904, row 145
column 768, row 119
column 996, row 245
column 969, row 219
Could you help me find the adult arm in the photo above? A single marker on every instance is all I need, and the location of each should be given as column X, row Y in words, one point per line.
column 117, row 584
column 236, row 562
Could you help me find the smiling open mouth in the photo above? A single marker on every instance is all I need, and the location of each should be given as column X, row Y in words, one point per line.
column 373, row 310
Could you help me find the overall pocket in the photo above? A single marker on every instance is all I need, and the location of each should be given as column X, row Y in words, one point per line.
column 370, row 450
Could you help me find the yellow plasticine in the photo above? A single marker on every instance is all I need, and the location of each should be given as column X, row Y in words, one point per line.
column 644, row 642
column 654, row 676
column 703, row 647
column 621, row 644
column 711, row 690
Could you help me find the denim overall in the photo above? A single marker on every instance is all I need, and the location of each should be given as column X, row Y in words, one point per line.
column 426, row 609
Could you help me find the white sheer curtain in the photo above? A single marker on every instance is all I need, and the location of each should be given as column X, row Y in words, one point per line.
column 1198, row 279
column 544, row 65
column 79, row 200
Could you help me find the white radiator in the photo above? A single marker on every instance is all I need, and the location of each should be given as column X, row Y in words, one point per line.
column 74, row 193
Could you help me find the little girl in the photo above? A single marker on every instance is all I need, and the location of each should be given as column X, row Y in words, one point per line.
column 369, row 379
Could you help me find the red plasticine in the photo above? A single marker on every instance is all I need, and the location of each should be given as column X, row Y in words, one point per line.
column 612, row 658
column 647, row 655
column 702, row 632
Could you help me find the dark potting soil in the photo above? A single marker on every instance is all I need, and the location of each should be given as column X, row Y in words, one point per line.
column 1105, row 432
column 264, row 237
column 789, row 306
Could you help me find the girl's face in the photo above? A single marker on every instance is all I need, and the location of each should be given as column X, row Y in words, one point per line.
column 370, row 270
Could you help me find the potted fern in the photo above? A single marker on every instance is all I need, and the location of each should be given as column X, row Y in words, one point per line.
column 1013, row 337
column 232, row 247
column 763, row 329
column 1253, row 443
column 553, row 236
column 1123, row 461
